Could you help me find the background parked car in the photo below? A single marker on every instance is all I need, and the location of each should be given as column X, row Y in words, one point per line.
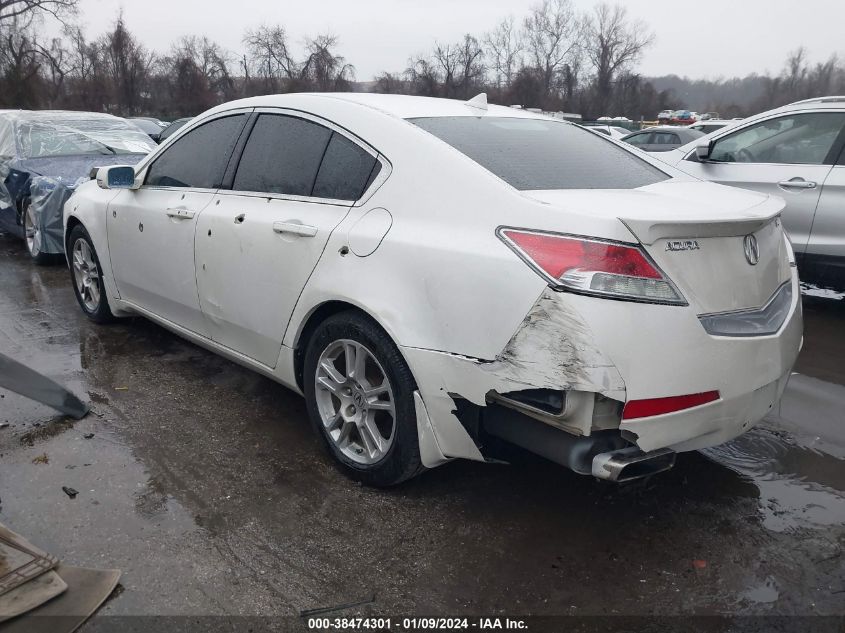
column 613, row 131
column 44, row 155
column 151, row 126
column 172, row 128
column 711, row 125
column 795, row 152
column 662, row 139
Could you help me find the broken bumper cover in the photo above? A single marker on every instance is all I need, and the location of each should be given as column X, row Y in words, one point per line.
column 628, row 351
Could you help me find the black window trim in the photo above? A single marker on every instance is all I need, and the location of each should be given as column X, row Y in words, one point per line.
column 384, row 173
column 143, row 167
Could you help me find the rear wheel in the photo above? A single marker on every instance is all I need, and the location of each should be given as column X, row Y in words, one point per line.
column 85, row 273
column 360, row 397
column 33, row 237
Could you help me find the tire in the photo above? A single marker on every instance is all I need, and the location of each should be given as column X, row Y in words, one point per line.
column 86, row 276
column 347, row 412
column 32, row 240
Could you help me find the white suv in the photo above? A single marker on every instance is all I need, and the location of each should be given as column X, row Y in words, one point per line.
column 797, row 153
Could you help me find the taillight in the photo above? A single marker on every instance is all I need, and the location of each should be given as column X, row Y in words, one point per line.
column 658, row 406
column 592, row 266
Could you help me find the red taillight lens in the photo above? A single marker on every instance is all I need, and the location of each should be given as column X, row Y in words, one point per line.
column 557, row 254
column 593, row 266
column 658, row 406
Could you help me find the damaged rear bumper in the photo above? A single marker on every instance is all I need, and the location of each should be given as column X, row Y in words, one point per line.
column 628, row 351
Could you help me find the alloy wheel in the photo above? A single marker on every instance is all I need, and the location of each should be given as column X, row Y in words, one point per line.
column 355, row 401
column 86, row 274
column 32, row 232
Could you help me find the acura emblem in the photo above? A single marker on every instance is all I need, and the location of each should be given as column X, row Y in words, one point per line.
column 752, row 249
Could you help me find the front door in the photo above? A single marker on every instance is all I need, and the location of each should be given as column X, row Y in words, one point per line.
column 824, row 261
column 151, row 230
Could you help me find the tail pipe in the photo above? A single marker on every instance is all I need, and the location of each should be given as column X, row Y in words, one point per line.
column 630, row 463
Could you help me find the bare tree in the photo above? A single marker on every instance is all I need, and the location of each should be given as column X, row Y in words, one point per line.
column 553, row 35
column 128, row 64
column 324, row 70
column 503, row 47
column 11, row 10
column 613, row 43
column 270, row 57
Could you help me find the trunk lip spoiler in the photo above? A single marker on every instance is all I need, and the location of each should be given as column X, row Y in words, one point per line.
column 649, row 231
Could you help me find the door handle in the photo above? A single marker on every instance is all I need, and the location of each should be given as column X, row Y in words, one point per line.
column 797, row 184
column 295, row 228
column 180, row 213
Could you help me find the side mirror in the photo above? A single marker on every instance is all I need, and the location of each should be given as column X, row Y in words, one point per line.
column 116, row 177
column 703, row 149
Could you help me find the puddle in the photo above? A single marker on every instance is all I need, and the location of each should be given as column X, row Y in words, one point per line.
column 799, row 487
column 763, row 593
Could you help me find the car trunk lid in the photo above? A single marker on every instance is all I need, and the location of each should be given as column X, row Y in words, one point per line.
column 698, row 234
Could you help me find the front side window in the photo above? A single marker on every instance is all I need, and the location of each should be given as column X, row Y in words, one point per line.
column 535, row 154
column 797, row 139
column 199, row 158
column 282, row 156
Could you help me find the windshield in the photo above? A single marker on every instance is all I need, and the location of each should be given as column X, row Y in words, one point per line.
column 533, row 154
column 37, row 139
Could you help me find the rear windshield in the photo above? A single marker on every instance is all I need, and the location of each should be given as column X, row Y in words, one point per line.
column 537, row 154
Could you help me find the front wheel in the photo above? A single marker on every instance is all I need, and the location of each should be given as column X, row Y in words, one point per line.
column 86, row 275
column 360, row 397
column 33, row 237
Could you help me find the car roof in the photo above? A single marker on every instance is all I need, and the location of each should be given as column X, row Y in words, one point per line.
column 399, row 106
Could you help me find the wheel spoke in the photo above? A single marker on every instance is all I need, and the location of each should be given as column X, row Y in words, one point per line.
column 329, row 384
column 371, row 441
column 343, row 436
column 332, row 372
column 380, row 405
column 334, row 422
column 350, row 353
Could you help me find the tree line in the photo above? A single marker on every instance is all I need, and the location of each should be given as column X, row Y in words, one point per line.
column 555, row 58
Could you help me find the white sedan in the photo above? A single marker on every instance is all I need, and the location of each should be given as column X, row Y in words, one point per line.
column 430, row 273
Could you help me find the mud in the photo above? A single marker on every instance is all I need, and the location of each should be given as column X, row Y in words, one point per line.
column 205, row 485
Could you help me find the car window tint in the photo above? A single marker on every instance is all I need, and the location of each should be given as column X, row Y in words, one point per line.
column 532, row 153
column 199, row 158
column 345, row 170
column 282, row 155
column 794, row 139
column 666, row 138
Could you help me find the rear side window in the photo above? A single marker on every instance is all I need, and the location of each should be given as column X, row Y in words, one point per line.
column 198, row 159
column 283, row 155
column 539, row 154
column 346, row 170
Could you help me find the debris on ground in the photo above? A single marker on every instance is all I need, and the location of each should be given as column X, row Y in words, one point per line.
column 38, row 594
column 4, row 425
column 43, row 458
column 70, row 492
column 88, row 436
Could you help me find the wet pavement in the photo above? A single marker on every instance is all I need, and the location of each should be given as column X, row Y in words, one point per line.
column 204, row 484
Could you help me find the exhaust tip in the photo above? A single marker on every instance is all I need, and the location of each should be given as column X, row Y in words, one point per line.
column 628, row 464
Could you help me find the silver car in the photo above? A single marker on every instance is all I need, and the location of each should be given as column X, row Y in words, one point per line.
column 795, row 152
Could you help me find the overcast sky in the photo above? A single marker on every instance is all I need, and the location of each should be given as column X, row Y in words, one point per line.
column 699, row 39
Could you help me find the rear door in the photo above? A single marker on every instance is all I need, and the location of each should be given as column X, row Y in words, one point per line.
column 788, row 155
column 151, row 230
column 259, row 241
